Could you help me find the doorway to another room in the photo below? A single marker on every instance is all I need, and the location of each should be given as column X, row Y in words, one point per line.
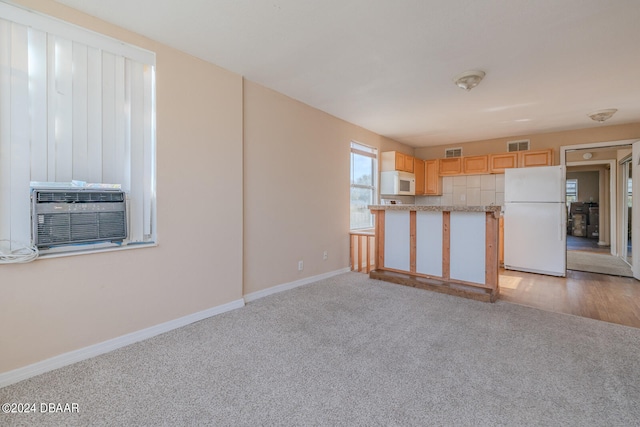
column 627, row 210
column 599, row 189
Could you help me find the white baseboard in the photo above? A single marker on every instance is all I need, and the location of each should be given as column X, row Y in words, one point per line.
column 20, row 374
column 286, row 286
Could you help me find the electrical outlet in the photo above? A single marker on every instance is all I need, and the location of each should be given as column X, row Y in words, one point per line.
column 325, row 255
column 300, row 265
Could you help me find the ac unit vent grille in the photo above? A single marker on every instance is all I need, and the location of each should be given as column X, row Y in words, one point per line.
column 57, row 229
column 453, row 152
column 70, row 217
column 518, row 145
column 79, row 196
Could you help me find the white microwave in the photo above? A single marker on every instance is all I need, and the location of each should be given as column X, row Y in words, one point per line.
column 398, row 183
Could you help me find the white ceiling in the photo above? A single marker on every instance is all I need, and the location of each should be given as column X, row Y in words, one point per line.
column 388, row 65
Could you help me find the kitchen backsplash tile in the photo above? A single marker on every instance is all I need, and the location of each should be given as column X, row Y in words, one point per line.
column 469, row 190
column 487, row 197
column 447, row 185
column 460, row 181
column 488, row 182
column 459, row 196
column 473, row 181
column 473, row 195
column 500, row 183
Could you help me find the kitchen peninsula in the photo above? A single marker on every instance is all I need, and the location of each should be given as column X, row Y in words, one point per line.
column 448, row 249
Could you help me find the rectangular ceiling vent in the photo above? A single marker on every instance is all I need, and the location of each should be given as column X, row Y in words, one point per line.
column 522, row 145
column 453, row 152
column 67, row 217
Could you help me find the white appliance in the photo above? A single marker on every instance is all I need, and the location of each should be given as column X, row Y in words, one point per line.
column 398, row 183
column 535, row 220
column 77, row 215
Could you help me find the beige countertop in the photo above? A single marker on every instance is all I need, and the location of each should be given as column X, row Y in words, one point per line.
column 495, row 209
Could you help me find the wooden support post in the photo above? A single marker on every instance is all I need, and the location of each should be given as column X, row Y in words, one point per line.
column 368, row 240
column 353, row 252
column 359, row 253
column 446, row 244
column 491, row 255
column 412, row 241
column 379, row 240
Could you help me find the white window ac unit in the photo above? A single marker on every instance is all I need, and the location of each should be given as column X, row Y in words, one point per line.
column 71, row 216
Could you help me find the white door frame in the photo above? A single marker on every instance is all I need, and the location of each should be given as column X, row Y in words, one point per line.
column 613, row 197
column 635, row 267
column 635, row 210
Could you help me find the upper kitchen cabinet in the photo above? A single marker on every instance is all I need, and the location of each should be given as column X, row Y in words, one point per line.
column 428, row 181
column 499, row 162
column 450, row 166
column 396, row 161
column 535, row 158
column 469, row 165
column 433, row 182
column 418, row 166
column 475, row 165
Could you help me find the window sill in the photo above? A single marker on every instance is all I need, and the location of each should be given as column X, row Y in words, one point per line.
column 91, row 249
column 365, row 231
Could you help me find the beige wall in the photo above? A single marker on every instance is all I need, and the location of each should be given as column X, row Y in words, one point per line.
column 215, row 242
column 588, row 184
column 555, row 140
column 53, row 306
column 296, row 184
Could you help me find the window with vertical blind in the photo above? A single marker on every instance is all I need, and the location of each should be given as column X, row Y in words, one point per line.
column 74, row 105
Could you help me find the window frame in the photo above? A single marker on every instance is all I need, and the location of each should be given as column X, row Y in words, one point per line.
column 568, row 193
column 364, row 150
column 135, row 73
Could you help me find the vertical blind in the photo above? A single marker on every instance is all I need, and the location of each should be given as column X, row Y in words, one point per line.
column 74, row 105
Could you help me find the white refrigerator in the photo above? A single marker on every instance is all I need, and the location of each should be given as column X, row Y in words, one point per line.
column 535, row 220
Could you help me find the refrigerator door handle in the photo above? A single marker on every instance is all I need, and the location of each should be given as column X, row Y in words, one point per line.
column 560, row 231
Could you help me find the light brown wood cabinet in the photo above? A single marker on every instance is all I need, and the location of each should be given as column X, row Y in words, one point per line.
column 428, row 181
column 535, row 158
column 396, row 161
column 418, row 166
column 475, row 165
column 450, row 166
column 433, row 182
column 470, row 165
column 499, row 162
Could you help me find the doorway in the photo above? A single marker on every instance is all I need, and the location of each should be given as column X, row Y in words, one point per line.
column 597, row 207
column 627, row 189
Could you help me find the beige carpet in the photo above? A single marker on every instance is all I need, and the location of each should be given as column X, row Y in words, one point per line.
column 351, row 351
column 597, row 263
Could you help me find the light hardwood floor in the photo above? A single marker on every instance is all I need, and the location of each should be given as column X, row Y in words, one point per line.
column 598, row 296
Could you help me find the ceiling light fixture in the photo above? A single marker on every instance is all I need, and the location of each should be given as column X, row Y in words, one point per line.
column 469, row 79
column 602, row 115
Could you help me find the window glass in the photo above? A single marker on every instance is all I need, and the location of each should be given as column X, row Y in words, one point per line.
column 363, row 185
column 572, row 191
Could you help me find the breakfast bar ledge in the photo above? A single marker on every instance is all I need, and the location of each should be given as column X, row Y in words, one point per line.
column 447, row 249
